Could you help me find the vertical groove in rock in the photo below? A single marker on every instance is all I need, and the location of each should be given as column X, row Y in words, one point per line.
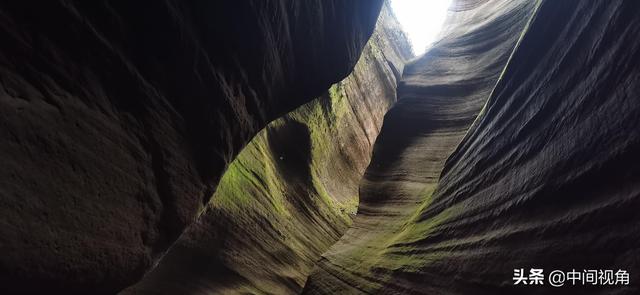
column 439, row 96
column 290, row 194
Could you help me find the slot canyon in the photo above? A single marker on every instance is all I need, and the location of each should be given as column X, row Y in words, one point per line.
column 301, row 147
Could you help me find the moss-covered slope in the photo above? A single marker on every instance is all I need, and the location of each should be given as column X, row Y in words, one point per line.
column 292, row 192
column 118, row 119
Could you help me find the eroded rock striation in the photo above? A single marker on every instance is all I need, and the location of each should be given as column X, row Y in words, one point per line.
column 439, row 96
column 546, row 176
column 117, row 119
column 514, row 144
column 291, row 193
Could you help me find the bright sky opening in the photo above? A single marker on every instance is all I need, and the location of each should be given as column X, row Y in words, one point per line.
column 421, row 19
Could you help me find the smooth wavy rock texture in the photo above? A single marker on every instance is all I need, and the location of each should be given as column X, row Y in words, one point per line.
column 118, row 118
column 291, row 193
column 546, row 177
column 439, row 96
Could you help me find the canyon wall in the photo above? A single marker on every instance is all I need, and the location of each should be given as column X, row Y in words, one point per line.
column 291, row 193
column 514, row 144
column 118, row 118
column 439, row 96
column 546, row 176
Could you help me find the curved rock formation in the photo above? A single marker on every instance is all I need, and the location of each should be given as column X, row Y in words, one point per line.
column 117, row 119
column 514, row 145
column 439, row 96
column 546, row 177
column 290, row 194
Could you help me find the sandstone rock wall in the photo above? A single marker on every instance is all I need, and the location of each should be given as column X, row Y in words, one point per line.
column 514, row 144
column 439, row 96
column 546, row 176
column 117, row 119
column 291, row 193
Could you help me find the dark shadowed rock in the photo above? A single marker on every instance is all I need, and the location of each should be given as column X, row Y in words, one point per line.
column 117, row 119
column 291, row 193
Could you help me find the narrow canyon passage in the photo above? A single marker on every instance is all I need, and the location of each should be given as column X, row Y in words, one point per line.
column 299, row 147
column 545, row 178
column 439, row 97
column 292, row 192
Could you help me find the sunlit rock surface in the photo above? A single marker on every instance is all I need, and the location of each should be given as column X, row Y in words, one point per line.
column 292, row 191
column 117, row 119
column 439, row 96
column 546, row 177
